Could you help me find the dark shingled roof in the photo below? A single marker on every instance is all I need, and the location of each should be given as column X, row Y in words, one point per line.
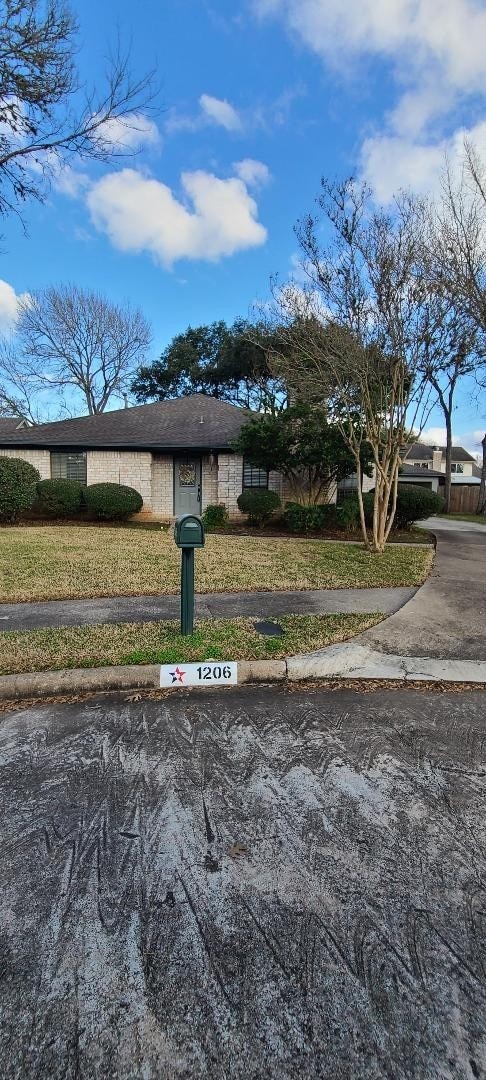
column 9, row 424
column 413, row 470
column 197, row 422
column 420, row 452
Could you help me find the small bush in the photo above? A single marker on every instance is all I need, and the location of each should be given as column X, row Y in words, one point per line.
column 258, row 504
column 415, row 503
column 112, row 502
column 306, row 519
column 60, row 498
column 347, row 514
column 215, row 516
column 18, row 481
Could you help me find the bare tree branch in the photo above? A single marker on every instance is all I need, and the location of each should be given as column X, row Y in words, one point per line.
column 72, row 341
column 41, row 126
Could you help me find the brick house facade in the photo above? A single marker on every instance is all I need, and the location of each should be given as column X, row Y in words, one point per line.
column 177, row 454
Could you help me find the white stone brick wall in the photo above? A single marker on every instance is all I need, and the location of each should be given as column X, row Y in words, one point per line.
column 131, row 467
column 40, row 459
column 230, row 480
column 163, row 486
column 209, row 481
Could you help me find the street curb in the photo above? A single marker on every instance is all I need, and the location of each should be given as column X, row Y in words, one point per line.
column 347, row 660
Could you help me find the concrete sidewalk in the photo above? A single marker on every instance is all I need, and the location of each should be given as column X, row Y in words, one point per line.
column 209, row 605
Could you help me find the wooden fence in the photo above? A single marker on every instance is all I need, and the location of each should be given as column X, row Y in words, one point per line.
column 464, row 499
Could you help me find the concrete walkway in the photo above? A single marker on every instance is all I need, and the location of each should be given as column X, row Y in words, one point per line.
column 446, row 618
column 210, row 605
column 438, row 636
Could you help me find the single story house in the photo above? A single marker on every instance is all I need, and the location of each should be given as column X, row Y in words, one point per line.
column 178, row 454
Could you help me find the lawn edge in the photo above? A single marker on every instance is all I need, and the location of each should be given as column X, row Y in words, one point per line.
column 334, row 661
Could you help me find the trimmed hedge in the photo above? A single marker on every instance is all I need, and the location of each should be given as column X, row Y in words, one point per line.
column 415, row 503
column 60, row 498
column 215, row 516
column 112, row 502
column 306, row 519
column 18, row 481
column 258, row 504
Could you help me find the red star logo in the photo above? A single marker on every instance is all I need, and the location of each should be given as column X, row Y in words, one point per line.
column 177, row 675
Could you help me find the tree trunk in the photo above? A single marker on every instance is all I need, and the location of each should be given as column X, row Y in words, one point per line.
column 447, row 487
column 482, row 486
column 359, row 478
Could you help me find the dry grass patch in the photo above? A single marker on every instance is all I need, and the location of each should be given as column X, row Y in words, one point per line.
column 161, row 643
column 59, row 562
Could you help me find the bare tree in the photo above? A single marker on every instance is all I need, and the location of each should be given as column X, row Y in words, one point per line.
column 70, row 341
column 457, row 242
column 449, row 354
column 46, row 117
column 356, row 332
column 482, row 486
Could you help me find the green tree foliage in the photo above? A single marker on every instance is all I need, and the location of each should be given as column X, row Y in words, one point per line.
column 300, row 443
column 230, row 363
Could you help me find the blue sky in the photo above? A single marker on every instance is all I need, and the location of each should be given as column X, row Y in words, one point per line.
column 258, row 98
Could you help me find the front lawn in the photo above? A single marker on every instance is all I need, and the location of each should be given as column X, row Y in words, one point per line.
column 478, row 519
column 58, row 562
column 161, row 643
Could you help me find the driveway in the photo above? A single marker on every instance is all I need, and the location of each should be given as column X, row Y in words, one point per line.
column 253, row 883
column 447, row 617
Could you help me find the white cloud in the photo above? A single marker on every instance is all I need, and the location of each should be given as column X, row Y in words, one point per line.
column 415, row 35
column 131, row 132
column 435, row 49
column 390, row 162
column 470, row 440
column 70, row 181
column 220, row 112
column 211, row 111
column 252, row 172
column 10, row 303
column 218, row 217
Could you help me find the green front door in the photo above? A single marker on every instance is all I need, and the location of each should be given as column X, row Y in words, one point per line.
column 187, row 485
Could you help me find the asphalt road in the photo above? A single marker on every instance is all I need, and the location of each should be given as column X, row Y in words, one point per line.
column 250, row 883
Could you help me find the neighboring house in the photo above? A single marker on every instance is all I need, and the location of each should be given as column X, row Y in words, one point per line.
column 177, row 454
column 426, row 465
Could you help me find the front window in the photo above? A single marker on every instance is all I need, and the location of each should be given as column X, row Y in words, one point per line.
column 421, row 464
column 253, row 477
column 68, row 467
column 456, row 467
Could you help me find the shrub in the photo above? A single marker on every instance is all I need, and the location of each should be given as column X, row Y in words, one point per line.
column 18, row 481
column 305, row 519
column 258, row 504
column 215, row 515
column 415, row 503
column 347, row 514
column 112, row 502
column 60, row 498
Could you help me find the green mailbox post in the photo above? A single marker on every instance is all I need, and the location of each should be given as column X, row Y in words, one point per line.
column 188, row 534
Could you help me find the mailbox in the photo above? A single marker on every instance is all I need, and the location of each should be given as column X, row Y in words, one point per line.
column 189, row 531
